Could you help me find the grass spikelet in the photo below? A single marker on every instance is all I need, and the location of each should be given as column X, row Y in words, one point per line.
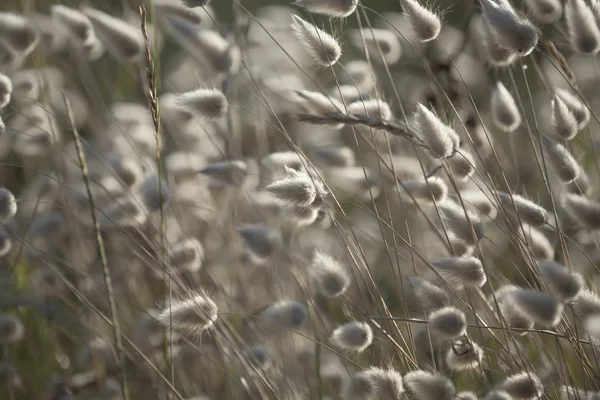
column 207, row 103
column 423, row 191
column 285, row 314
column 297, row 189
column 582, row 27
column 563, row 283
column 320, row 45
column 505, row 112
column 375, row 41
column 562, row 162
column 586, row 305
column 187, row 255
column 372, row 107
column 388, row 383
column 427, row 296
column 425, row 24
column 509, row 30
column 448, row 322
column 360, row 386
column 330, row 276
column 428, row 386
column 528, row 211
column 543, row 308
column 6, row 89
column 523, row 386
column 191, row 316
column 545, row 11
column 122, row 40
column 12, row 329
column 440, row 139
column 584, row 211
column 331, row 8
column 576, row 106
column 8, row 204
column 462, row 223
column 353, row 336
column 227, row 172
column 463, row 355
column 460, row 272
column 564, row 121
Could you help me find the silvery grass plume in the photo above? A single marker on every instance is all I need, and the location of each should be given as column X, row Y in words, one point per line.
column 17, row 33
column 545, row 11
column 509, row 30
column 582, row 27
column 285, row 315
column 122, row 40
column 186, row 255
column 542, row 308
column 580, row 110
column 428, row 386
column 374, row 382
column 441, row 140
column 191, row 316
column 565, row 284
column 460, row 272
column 425, row 24
column 582, row 210
column 480, row 202
column 207, row 103
column 6, row 88
column 529, row 212
column 564, row 122
column 12, row 329
column 448, row 322
column 461, row 223
column 297, row 189
column 379, row 44
column 320, row 45
column 461, row 165
column 505, row 112
column 227, row 172
column 427, row 296
column 332, row 8
column 358, row 74
column 424, row 191
column 353, row 336
column 261, row 241
column 522, row 386
column 331, row 278
column 463, row 355
column 8, row 204
column 258, row 356
column 371, row 107
column 562, row 162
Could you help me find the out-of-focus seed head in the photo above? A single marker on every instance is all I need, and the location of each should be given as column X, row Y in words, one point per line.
column 47, row 282
column 258, row 356
column 380, row 44
column 462, row 165
column 6, row 89
column 427, row 296
column 8, row 204
column 545, row 11
column 480, row 202
column 331, row 8
column 460, row 272
column 579, row 109
column 564, row 121
column 505, row 112
column 124, row 212
column 528, row 211
column 582, row 210
column 466, row 396
column 227, row 172
column 331, row 277
column 5, row 242
column 388, row 382
column 338, row 156
column 586, row 305
column 543, row 308
column 463, row 356
column 320, row 45
column 187, row 255
column 582, row 27
column 428, row 386
column 425, row 24
column 498, row 395
column 155, row 192
column 260, row 240
column 448, row 322
column 122, row 40
column 174, row 9
column 354, row 336
column 286, row 315
column 440, row 139
column 562, row 162
column 95, row 353
column 423, row 191
column 194, row 315
column 563, row 283
column 15, row 30
column 360, row 386
column 462, row 223
column 358, row 73
column 76, row 22
column 373, row 108
column 208, row 103
column 523, row 386
column 318, row 104
column 9, row 376
column 12, row 329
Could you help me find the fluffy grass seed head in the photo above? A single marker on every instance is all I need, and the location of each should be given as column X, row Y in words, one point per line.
column 12, row 329
column 124, row 212
column 461, row 165
column 388, row 382
column 258, row 356
column 448, row 322
column 353, row 336
column 426, row 295
column 192, row 316
column 6, row 89
column 17, row 33
column 155, row 192
column 187, row 255
column 331, row 8
column 460, row 272
column 582, row 27
column 320, row 45
column 582, row 210
column 509, row 30
column 564, row 121
column 8, row 204
column 462, row 223
column 523, row 386
column 479, row 202
column 298, row 188
column 331, row 278
column 498, row 395
column 260, row 240
column 429, row 386
column 505, row 112
column 586, row 305
column 560, row 159
column 440, row 139
column 371, row 107
column 286, row 315
column 579, row 109
column 541, row 307
column 360, row 386
column 562, row 282
column 528, row 211
column 425, row 24
column 545, row 11
column 358, row 74
column 207, row 103
column 380, row 44
column 423, row 191
column 463, row 355
column 467, row 395
column 227, row 172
